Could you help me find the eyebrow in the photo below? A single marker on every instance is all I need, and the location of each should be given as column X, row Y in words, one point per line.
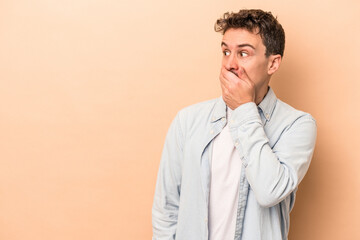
column 240, row 45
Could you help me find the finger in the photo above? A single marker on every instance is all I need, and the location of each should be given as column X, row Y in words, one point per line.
column 228, row 85
column 225, row 92
column 223, row 76
column 224, row 84
column 244, row 76
column 230, row 76
column 222, row 88
column 224, row 81
column 226, row 73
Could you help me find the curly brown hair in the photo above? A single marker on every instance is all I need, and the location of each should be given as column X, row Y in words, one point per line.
column 256, row 20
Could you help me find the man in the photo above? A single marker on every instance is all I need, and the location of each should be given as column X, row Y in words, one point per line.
column 231, row 166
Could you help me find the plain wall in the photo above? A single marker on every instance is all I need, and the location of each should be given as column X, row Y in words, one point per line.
column 88, row 90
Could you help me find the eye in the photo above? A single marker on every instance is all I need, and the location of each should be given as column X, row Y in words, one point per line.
column 226, row 53
column 244, row 54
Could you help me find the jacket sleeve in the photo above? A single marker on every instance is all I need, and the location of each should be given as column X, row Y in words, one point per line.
column 273, row 173
column 167, row 191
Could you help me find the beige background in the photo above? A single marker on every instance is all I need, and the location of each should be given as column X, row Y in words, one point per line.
column 88, row 90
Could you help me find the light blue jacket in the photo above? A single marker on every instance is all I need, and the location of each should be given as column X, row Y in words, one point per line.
column 275, row 143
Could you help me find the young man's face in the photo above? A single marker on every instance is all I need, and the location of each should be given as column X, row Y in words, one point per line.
column 244, row 49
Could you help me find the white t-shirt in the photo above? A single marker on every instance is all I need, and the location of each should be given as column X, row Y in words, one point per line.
column 224, row 186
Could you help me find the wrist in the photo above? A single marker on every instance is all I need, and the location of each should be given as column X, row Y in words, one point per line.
column 238, row 104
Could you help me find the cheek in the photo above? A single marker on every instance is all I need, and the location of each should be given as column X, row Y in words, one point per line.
column 251, row 62
column 249, row 68
column 256, row 72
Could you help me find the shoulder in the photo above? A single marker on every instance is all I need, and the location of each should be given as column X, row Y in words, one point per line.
column 197, row 114
column 289, row 117
column 287, row 111
column 198, row 109
column 203, row 106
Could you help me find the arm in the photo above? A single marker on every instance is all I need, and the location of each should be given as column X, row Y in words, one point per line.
column 272, row 173
column 167, row 191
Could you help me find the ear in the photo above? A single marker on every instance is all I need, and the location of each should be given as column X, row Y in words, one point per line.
column 274, row 63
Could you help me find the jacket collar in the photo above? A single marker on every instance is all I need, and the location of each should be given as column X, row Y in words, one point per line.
column 267, row 106
column 219, row 110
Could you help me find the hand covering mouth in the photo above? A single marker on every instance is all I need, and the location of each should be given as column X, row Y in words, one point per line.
column 234, row 72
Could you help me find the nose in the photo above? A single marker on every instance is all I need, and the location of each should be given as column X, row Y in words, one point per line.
column 231, row 63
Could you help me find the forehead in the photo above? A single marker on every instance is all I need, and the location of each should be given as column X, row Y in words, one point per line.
column 237, row 36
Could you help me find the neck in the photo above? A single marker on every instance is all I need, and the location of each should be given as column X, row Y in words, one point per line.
column 259, row 96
